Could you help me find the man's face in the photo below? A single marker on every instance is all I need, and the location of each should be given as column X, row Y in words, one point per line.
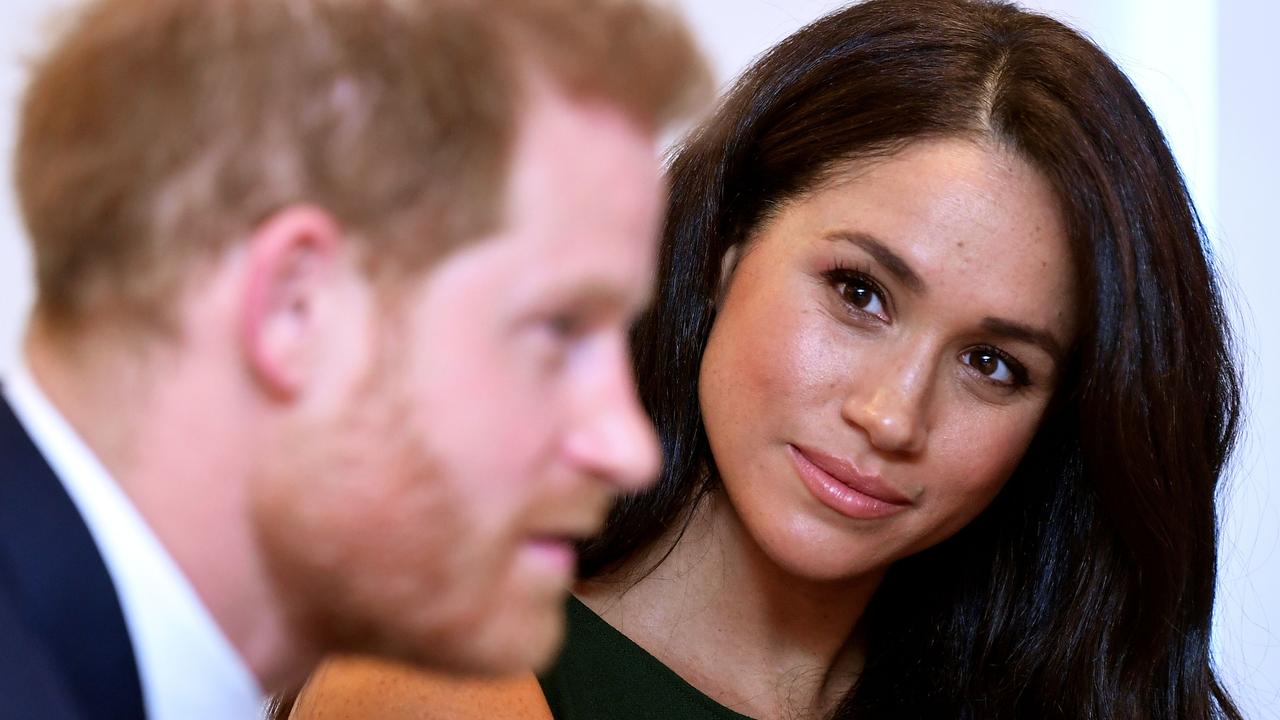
column 489, row 420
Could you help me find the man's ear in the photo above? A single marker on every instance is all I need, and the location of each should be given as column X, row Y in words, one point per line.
column 292, row 264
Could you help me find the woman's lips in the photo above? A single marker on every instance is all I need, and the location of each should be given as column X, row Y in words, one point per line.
column 842, row 487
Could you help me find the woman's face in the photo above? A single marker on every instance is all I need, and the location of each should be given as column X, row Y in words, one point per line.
column 883, row 353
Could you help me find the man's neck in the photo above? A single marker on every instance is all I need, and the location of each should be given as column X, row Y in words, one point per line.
column 161, row 426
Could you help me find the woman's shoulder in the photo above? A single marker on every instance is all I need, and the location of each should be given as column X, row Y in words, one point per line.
column 348, row 688
column 603, row 673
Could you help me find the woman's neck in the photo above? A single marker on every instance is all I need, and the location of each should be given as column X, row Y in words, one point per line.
column 734, row 624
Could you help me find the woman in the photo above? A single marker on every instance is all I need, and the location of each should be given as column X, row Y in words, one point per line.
column 943, row 381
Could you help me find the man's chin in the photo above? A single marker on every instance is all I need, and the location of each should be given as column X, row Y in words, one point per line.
column 514, row 644
column 530, row 645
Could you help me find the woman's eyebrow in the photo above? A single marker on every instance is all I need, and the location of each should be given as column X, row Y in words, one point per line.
column 1025, row 333
column 901, row 270
column 890, row 260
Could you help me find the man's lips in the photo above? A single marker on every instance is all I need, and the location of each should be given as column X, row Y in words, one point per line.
column 558, row 523
column 569, row 528
column 557, row 554
column 564, row 536
column 567, row 538
column 555, row 545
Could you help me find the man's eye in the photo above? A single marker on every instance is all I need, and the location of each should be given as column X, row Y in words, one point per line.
column 565, row 325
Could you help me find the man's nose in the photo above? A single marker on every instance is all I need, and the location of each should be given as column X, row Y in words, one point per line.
column 616, row 441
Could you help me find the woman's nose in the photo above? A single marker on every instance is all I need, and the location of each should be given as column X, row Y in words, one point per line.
column 889, row 403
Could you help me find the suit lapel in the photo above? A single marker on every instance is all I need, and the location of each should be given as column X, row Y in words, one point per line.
column 59, row 587
column 29, row 684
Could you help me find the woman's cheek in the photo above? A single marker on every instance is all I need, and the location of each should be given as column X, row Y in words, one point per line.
column 982, row 452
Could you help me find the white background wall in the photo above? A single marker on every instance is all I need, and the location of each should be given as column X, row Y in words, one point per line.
column 1207, row 68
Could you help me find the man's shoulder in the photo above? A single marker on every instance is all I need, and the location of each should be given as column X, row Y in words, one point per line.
column 29, row 683
column 58, row 604
column 18, row 455
column 32, row 499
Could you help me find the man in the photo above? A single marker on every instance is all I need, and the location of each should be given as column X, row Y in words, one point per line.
column 329, row 347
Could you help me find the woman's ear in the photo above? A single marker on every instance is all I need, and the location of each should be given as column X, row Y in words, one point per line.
column 728, row 263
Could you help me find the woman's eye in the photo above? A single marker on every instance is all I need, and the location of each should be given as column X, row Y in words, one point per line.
column 860, row 293
column 995, row 366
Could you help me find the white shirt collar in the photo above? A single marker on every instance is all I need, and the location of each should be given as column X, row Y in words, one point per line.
column 188, row 668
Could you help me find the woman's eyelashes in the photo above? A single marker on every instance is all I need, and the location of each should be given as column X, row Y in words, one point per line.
column 866, row 299
column 996, row 366
column 859, row 292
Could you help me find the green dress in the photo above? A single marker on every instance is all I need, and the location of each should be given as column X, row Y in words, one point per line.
column 602, row 675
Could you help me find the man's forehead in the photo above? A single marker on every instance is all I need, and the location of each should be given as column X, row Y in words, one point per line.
column 577, row 145
column 559, row 280
column 583, row 200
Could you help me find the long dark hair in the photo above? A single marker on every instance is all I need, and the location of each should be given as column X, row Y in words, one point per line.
column 1086, row 589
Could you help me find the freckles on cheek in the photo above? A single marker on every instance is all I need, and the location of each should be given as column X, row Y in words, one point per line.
column 790, row 356
column 826, row 355
column 806, row 366
column 984, row 459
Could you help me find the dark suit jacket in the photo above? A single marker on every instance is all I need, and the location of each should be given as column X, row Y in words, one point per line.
column 64, row 647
